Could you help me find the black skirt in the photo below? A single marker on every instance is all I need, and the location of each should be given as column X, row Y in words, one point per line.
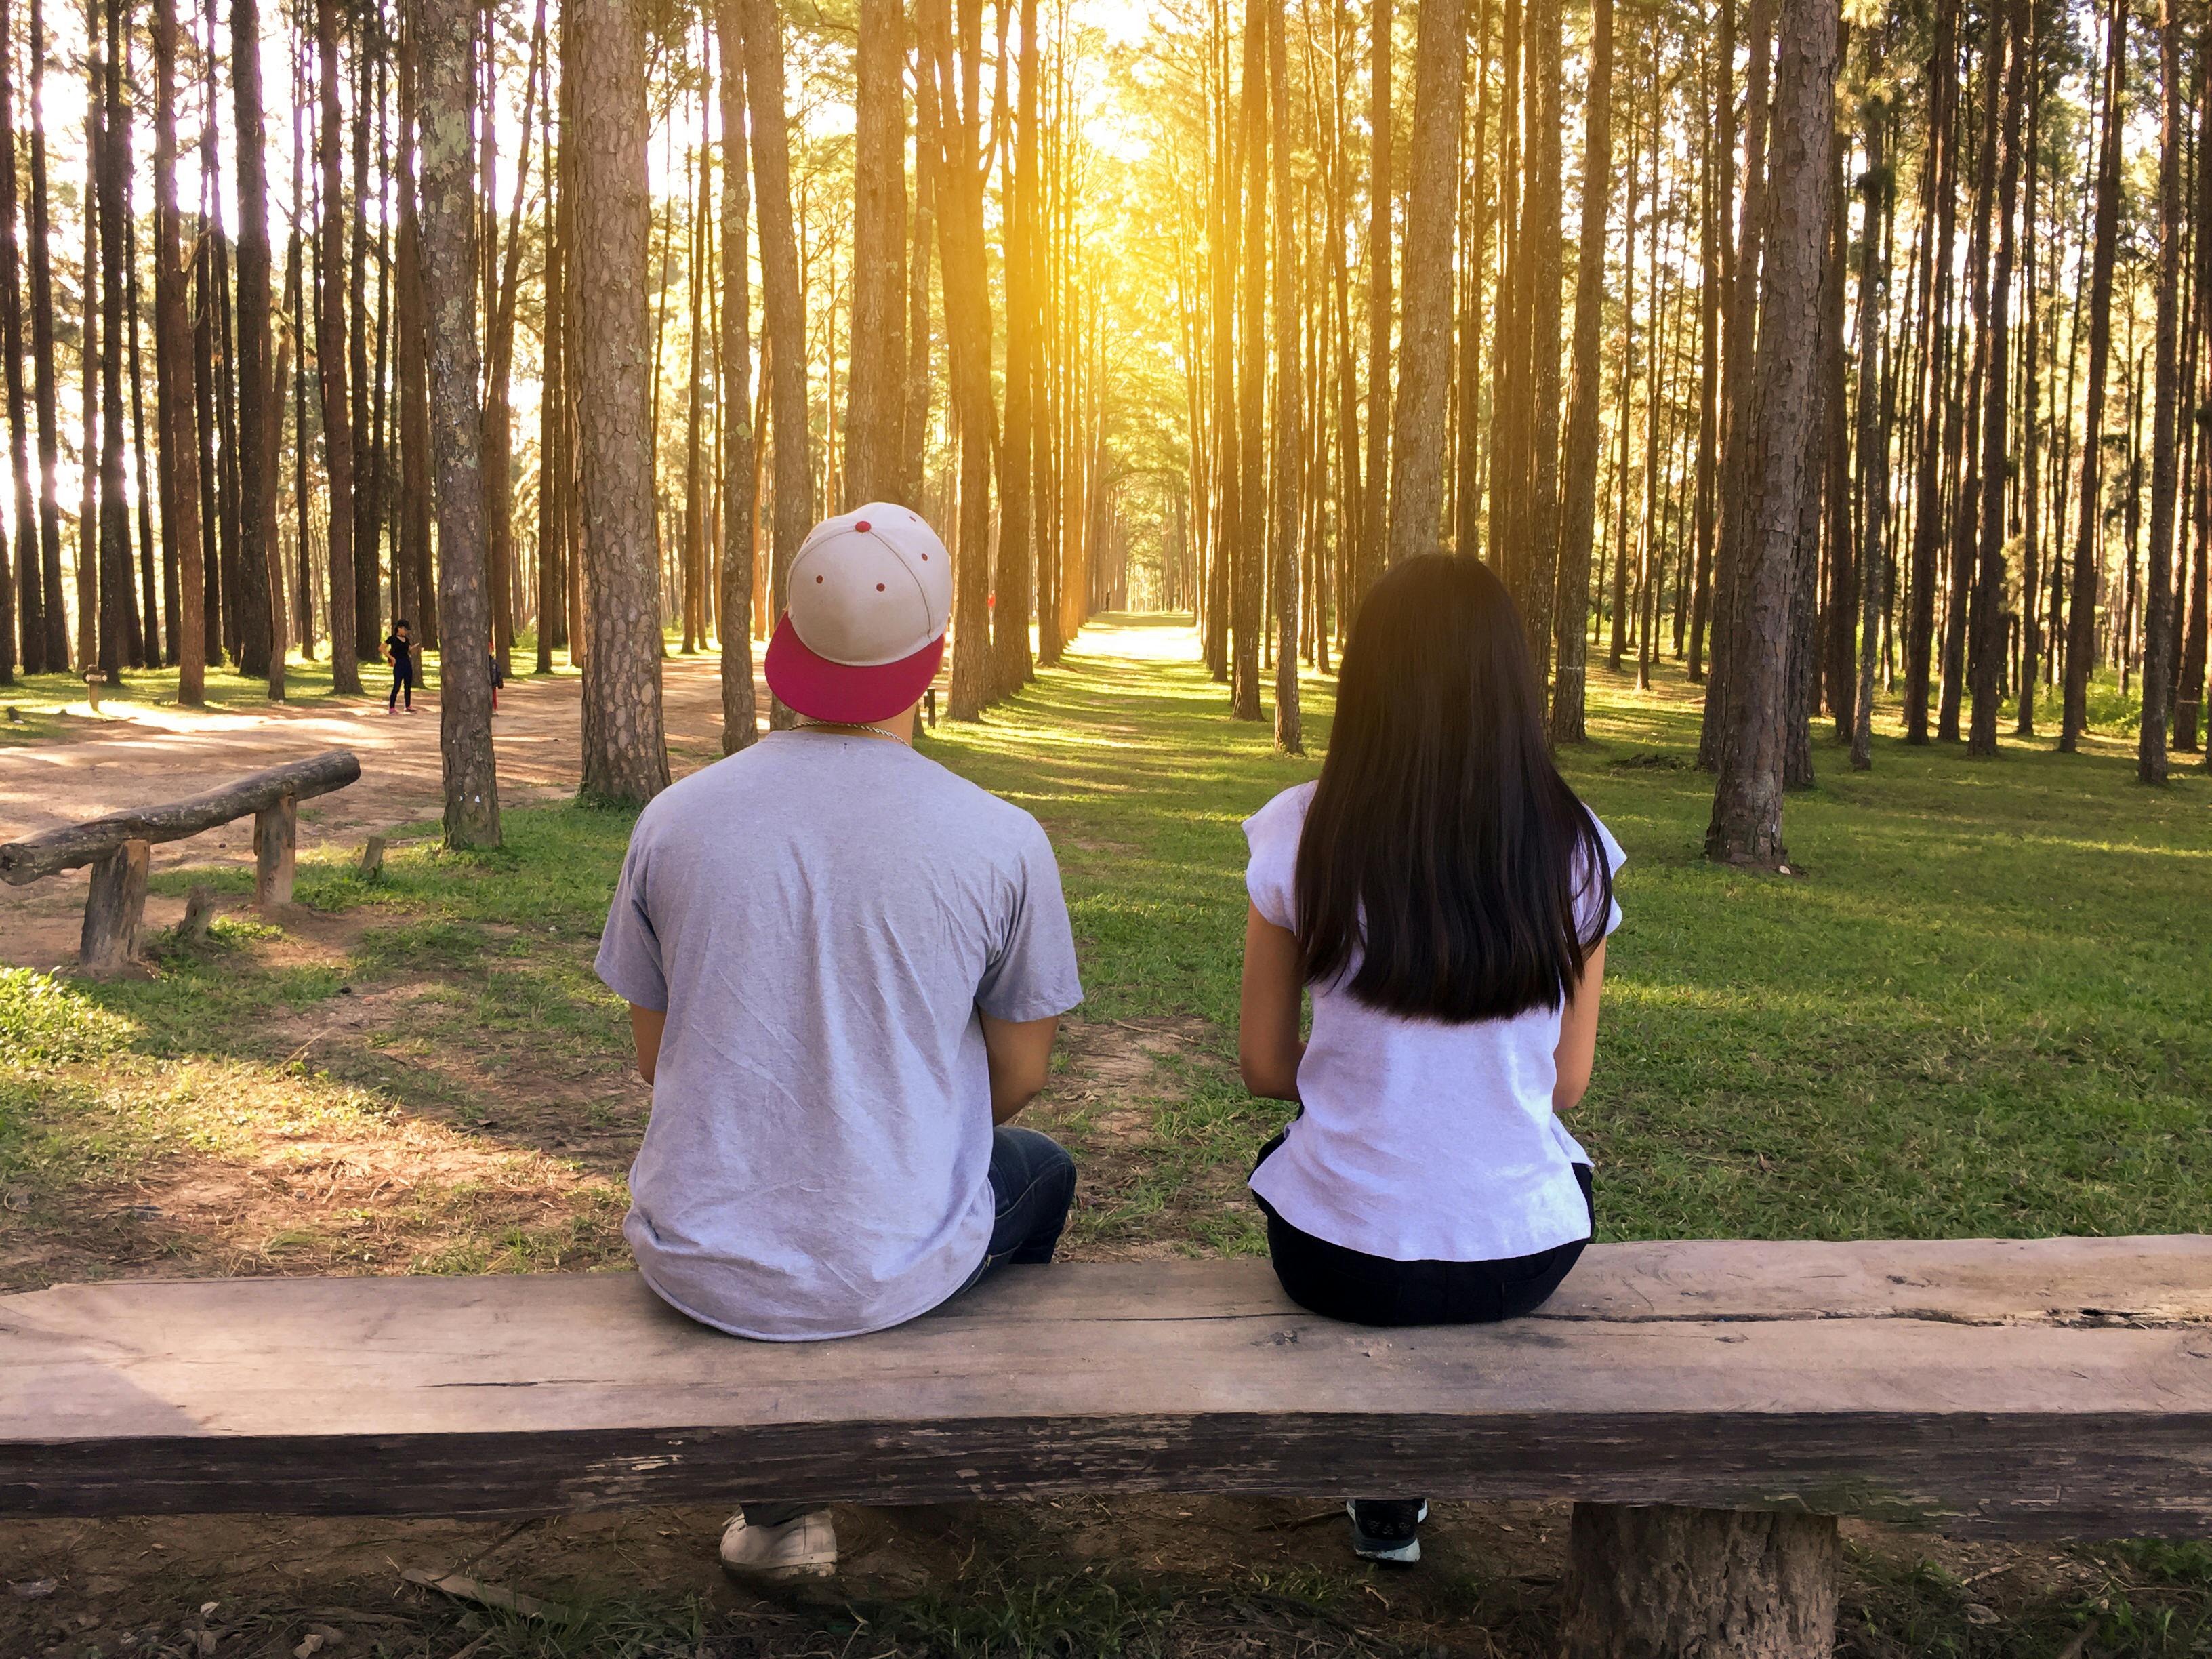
column 1343, row 1284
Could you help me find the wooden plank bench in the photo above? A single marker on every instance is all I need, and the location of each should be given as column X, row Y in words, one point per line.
column 1709, row 1407
column 119, row 844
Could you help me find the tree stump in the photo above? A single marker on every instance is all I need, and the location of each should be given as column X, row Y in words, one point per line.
column 113, row 909
column 93, row 679
column 275, row 837
column 372, row 857
column 1663, row 1583
column 199, row 913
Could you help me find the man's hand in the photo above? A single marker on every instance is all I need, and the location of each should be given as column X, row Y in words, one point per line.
column 1021, row 1055
column 646, row 1025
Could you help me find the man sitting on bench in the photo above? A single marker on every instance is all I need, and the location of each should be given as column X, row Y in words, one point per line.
column 844, row 967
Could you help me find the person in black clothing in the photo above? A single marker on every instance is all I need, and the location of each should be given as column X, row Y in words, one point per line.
column 399, row 651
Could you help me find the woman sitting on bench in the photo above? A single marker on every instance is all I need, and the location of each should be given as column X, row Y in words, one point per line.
column 1445, row 898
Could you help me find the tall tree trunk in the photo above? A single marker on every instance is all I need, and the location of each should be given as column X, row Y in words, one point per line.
column 2009, row 45
column 92, row 599
column 1718, row 254
column 1747, row 821
column 1740, row 437
column 330, row 361
column 1290, row 399
column 1424, row 374
column 32, row 598
column 914, row 432
column 498, row 453
column 740, row 719
column 261, row 578
column 1375, row 529
column 1017, row 509
column 1541, row 247
column 1873, row 430
column 1227, row 227
column 2158, row 579
column 177, row 402
column 1579, row 521
column 120, row 642
column 1938, row 412
column 42, row 352
column 875, row 387
column 554, row 432
column 449, row 221
column 625, row 749
column 1248, row 551
column 2082, row 613
column 783, row 306
column 2032, row 356
column 369, row 473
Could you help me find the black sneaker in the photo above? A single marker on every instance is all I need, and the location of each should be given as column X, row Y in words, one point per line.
column 1387, row 1529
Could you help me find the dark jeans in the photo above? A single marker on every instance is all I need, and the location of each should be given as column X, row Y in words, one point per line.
column 1338, row 1283
column 402, row 679
column 1032, row 1186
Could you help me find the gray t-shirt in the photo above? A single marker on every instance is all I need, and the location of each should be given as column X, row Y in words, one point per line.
column 821, row 917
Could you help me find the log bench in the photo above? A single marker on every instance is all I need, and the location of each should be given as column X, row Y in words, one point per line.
column 1710, row 1408
column 117, row 845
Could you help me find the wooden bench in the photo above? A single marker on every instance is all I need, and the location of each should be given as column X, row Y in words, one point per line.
column 118, row 847
column 1710, row 1408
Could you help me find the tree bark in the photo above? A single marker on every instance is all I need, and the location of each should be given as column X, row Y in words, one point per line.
column 1423, row 372
column 1017, row 506
column 625, row 750
column 1539, row 247
column 42, row 352
column 2081, row 611
column 368, row 505
column 262, row 640
column 1290, row 400
column 1375, row 530
column 1248, row 550
column 1747, row 820
column 331, row 361
column 120, row 642
column 176, row 405
column 498, row 409
column 783, row 305
column 31, row 597
column 2158, row 580
column 1719, row 1584
column 449, row 221
column 875, row 387
column 1579, row 521
column 740, row 719
column 1739, row 437
column 1873, row 432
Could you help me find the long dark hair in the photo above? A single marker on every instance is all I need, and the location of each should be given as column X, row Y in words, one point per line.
column 1441, row 851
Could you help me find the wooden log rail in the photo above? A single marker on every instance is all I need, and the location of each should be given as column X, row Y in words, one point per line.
column 117, row 847
column 1710, row 1408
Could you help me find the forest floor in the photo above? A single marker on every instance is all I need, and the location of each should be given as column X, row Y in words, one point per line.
column 1979, row 1012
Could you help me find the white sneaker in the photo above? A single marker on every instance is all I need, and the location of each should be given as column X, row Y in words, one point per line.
column 805, row 1547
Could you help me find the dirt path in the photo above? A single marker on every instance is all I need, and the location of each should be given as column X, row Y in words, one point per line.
column 143, row 755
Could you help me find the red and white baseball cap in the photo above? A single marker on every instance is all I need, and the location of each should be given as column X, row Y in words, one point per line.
column 863, row 629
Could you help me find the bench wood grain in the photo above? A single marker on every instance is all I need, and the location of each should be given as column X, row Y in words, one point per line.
column 2057, row 1387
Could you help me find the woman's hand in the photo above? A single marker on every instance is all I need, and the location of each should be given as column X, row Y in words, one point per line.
column 1269, row 1049
column 1577, row 1051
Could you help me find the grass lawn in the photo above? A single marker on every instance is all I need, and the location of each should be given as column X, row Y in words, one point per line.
column 1980, row 1012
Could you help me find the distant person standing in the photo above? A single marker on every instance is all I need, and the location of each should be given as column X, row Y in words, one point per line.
column 399, row 651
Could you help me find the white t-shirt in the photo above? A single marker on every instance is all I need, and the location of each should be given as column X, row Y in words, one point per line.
column 1420, row 1141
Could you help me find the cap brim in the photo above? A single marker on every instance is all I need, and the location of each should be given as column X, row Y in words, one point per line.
column 825, row 690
